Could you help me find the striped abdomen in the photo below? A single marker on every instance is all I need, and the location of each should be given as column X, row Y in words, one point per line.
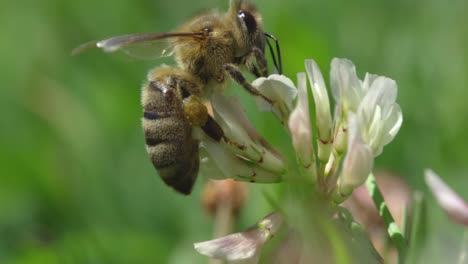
column 168, row 134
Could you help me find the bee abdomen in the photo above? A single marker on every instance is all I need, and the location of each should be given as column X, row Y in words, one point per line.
column 168, row 136
column 180, row 172
column 151, row 115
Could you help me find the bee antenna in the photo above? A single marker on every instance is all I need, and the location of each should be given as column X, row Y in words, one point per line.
column 278, row 64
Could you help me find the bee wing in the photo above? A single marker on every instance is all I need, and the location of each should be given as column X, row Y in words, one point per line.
column 140, row 45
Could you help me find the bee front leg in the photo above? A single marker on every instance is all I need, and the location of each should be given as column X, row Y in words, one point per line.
column 256, row 56
column 237, row 76
column 261, row 61
column 253, row 69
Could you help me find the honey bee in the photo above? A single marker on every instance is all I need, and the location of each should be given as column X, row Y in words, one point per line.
column 207, row 49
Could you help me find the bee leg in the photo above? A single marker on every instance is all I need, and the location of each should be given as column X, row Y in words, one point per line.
column 195, row 110
column 261, row 61
column 237, row 76
column 214, row 130
column 253, row 69
column 197, row 115
column 256, row 56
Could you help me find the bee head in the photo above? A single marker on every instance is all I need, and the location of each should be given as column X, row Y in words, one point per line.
column 248, row 29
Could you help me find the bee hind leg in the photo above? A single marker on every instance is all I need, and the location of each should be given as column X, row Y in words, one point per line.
column 197, row 114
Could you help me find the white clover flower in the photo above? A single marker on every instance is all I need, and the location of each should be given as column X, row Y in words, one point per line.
column 301, row 130
column 237, row 127
column 219, row 162
column 358, row 162
column 243, row 247
column 345, row 85
column 454, row 206
column 322, row 110
column 281, row 90
column 348, row 93
column 366, row 118
column 379, row 115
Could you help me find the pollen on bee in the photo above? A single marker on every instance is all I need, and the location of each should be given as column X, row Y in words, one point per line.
column 195, row 111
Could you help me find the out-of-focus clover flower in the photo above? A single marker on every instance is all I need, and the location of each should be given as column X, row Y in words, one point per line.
column 243, row 247
column 219, row 193
column 454, row 206
column 281, row 90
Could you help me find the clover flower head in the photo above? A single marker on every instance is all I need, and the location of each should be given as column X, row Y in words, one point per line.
column 366, row 118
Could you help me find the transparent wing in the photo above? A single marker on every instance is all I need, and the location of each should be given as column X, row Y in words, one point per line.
column 140, row 46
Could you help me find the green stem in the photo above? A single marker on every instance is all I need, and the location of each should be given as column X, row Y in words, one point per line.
column 393, row 231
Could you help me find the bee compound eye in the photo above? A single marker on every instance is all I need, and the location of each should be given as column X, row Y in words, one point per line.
column 248, row 19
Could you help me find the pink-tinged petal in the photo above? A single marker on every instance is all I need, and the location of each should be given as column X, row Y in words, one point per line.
column 232, row 247
column 455, row 207
column 243, row 247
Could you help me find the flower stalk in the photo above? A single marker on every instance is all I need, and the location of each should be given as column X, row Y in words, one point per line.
column 393, row 231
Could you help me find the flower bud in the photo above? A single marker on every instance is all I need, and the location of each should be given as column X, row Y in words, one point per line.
column 322, row 110
column 358, row 162
column 301, row 131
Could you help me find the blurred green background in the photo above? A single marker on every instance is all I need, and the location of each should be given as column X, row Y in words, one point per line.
column 76, row 185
